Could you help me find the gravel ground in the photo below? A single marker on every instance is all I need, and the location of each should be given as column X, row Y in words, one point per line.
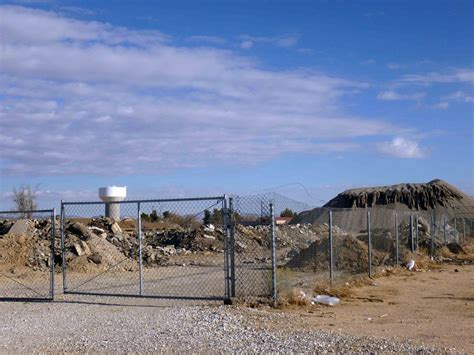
column 61, row 326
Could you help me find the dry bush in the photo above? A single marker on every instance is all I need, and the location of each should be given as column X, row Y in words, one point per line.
column 183, row 221
column 422, row 260
column 468, row 255
column 25, row 199
column 445, row 253
column 293, row 297
column 339, row 290
column 171, row 221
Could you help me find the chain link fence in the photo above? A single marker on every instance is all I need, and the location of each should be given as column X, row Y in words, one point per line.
column 261, row 240
column 173, row 249
column 302, row 246
column 248, row 248
column 27, row 255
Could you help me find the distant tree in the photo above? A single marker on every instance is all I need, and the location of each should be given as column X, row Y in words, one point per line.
column 287, row 213
column 154, row 216
column 166, row 214
column 216, row 217
column 25, row 200
column 145, row 217
column 207, row 217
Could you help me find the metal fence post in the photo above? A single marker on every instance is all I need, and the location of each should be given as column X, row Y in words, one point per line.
column 226, row 249
column 232, row 246
column 63, row 248
column 272, row 226
column 369, row 241
column 53, row 249
column 464, row 230
column 331, row 256
column 417, row 233
column 456, row 234
column 140, row 261
column 412, row 242
column 397, row 242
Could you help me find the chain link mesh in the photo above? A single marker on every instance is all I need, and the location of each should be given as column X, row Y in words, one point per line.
column 160, row 248
column 251, row 247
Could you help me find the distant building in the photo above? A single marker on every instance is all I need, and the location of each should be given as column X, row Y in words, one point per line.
column 279, row 221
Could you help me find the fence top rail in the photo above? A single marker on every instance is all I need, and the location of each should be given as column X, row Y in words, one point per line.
column 29, row 211
column 211, row 198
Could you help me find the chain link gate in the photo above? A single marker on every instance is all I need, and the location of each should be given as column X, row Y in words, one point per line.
column 164, row 248
column 27, row 242
column 250, row 250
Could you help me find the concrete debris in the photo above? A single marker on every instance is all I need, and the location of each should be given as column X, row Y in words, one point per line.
column 209, row 228
column 115, row 228
column 169, row 249
column 21, row 227
column 78, row 249
column 80, row 230
column 96, row 230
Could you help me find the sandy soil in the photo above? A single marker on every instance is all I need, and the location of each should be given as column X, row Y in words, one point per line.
column 434, row 308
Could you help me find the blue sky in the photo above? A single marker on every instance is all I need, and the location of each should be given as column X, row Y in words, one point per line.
column 184, row 98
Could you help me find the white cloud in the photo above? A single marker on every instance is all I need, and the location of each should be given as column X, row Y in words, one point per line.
column 393, row 66
column 440, row 105
column 368, row 62
column 207, row 39
column 458, row 75
column 284, row 41
column 246, row 44
column 460, row 96
column 21, row 25
column 90, row 98
column 394, row 96
column 287, row 41
column 400, row 147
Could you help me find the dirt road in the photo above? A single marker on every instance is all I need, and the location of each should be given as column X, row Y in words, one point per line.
column 434, row 308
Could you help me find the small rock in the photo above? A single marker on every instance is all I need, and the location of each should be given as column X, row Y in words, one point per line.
column 96, row 258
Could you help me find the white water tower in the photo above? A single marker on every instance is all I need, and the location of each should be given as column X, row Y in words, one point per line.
column 112, row 194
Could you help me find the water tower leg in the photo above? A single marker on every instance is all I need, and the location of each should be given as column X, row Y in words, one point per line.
column 112, row 210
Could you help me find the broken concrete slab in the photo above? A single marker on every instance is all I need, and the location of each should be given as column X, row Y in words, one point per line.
column 22, row 227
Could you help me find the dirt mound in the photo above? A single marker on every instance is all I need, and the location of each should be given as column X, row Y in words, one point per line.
column 349, row 209
column 431, row 195
column 350, row 253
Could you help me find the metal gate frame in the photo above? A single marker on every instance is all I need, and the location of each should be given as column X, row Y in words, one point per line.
column 225, row 215
column 51, row 294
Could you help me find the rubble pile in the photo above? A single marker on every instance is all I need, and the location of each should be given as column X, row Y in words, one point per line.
column 100, row 244
column 350, row 253
column 26, row 243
